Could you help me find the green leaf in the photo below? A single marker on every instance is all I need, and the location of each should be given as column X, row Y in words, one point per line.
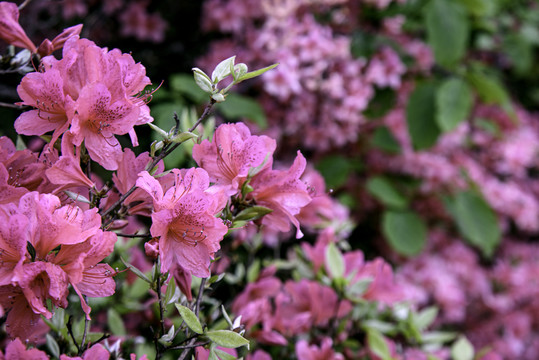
column 334, row 261
column 462, row 349
column 425, row 317
column 437, row 337
column 52, row 345
column 223, row 355
column 382, row 326
column 384, row 191
column 237, row 107
column 222, row 70
column 227, row 338
column 136, row 271
column 115, row 322
column 383, row 139
column 453, row 103
column 170, row 292
column 405, row 231
column 377, row 344
column 190, row 318
column 252, row 213
column 185, row 85
column 202, row 80
column 253, row 271
column 335, row 169
column 448, row 30
column 489, row 88
column 183, row 136
column 479, row 7
column 422, row 126
column 476, row 221
column 255, row 73
column 520, row 52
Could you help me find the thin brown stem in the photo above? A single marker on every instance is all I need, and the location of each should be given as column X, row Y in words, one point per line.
column 157, row 159
column 189, row 346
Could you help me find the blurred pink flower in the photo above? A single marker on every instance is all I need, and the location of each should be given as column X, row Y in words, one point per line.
column 304, row 351
column 10, row 30
column 17, row 350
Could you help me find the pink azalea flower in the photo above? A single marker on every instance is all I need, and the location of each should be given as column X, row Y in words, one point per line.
column 232, row 153
column 21, row 321
column 34, row 270
column 126, row 176
column 95, row 352
column 47, row 47
column 10, row 30
column 17, row 350
column 284, row 193
column 304, row 351
column 66, row 172
column 91, row 92
column 20, row 172
column 184, row 219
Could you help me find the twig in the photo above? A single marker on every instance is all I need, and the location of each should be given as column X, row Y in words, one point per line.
column 13, row 106
column 199, row 295
column 23, row 5
column 197, row 309
column 158, row 158
column 188, row 346
column 70, row 331
column 86, row 323
column 134, row 235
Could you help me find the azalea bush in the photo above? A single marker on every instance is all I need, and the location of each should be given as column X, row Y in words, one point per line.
column 366, row 192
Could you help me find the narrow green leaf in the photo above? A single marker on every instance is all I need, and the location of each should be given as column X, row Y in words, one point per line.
column 384, row 191
column 115, row 322
column 252, row 213
column 256, row 73
column 405, row 231
column 476, row 221
column 453, row 103
column 52, row 345
column 227, row 338
column 136, row 271
column 381, row 326
column 462, row 349
column 160, row 131
column 377, row 344
column 334, row 261
column 171, row 291
column 438, row 337
column 253, row 271
column 420, row 111
column 448, row 30
column 190, row 318
column 183, row 136
column 383, row 139
column 425, row 317
column 223, row 355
